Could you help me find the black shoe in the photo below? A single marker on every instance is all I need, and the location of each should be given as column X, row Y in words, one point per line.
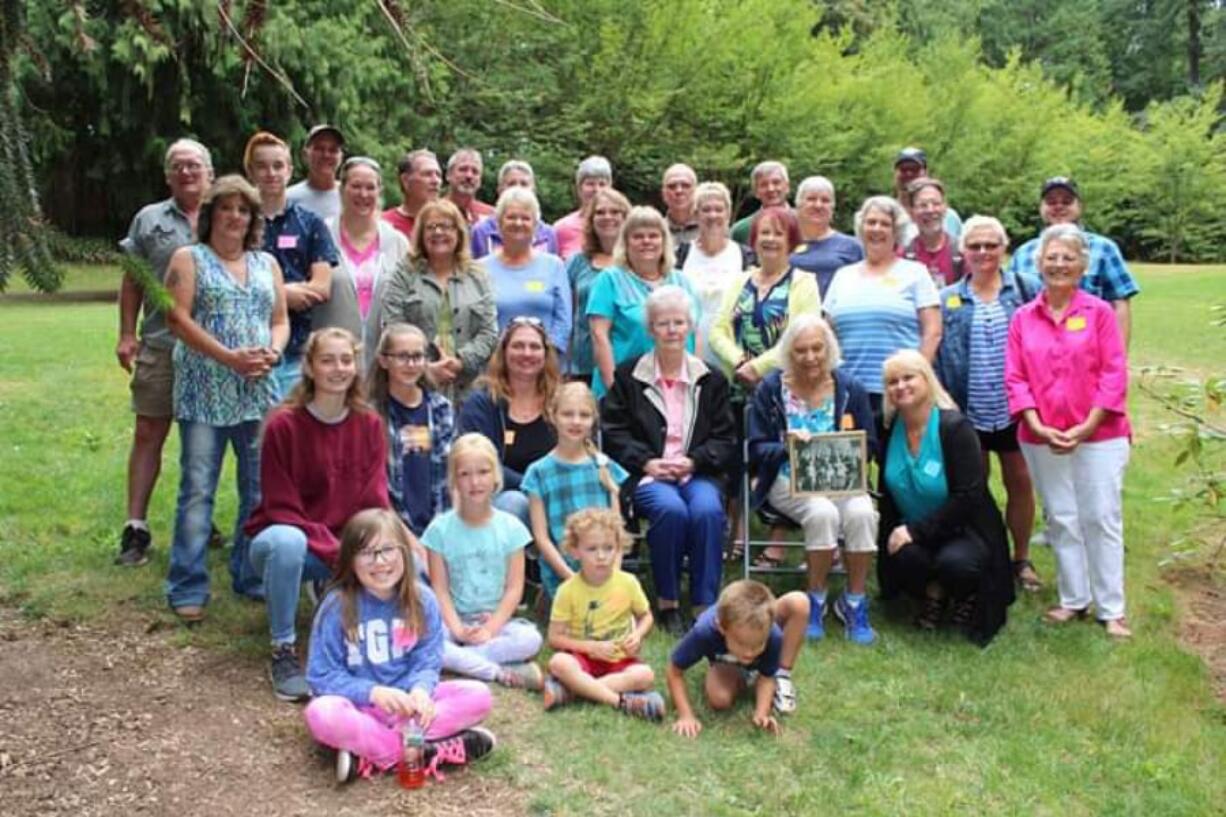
column 460, row 750
column 217, row 540
column 963, row 613
column 288, row 681
column 134, row 546
column 671, row 622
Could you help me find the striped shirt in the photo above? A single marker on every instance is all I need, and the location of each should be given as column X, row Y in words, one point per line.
column 876, row 315
column 987, row 405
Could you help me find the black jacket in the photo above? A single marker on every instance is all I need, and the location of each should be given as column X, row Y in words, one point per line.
column 969, row 506
column 633, row 425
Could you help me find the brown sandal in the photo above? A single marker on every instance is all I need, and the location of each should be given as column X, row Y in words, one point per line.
column 1117, row 628
column 1063, row 615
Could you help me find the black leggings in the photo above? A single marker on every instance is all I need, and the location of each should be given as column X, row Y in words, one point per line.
column 956, row 564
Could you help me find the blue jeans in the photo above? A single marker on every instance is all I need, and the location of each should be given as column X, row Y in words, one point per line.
column 286, row 374
column 279, row 554
column 684, row 520
column 514, row 502
column 202, row 448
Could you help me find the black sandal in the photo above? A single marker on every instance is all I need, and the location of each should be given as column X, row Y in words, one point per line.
column 765, row 561
column 1026, row 576
column 963, row 612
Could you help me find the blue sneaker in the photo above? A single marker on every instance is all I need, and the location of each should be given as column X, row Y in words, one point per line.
column 816, row 630
column 855, row 620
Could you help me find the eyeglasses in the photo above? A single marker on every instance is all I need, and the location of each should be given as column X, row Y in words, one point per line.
column 439, row 227
column 984, row 246
column 370, row 556
column 406, row 358
column 186, row 167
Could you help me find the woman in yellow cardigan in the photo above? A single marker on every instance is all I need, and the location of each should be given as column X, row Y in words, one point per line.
column 755, row 312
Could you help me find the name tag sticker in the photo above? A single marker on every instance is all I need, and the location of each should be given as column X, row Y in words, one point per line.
column 953, row 302
column 801, row 248
column 287, row 242
column 890, row 281
column 508, row 437
column 932, row 468
column 848, row 423
column 534, row 286
column 1076, row 323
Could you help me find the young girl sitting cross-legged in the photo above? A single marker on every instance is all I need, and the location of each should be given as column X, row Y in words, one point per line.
column 599, row 620
column 476, row 557
column 376, row 649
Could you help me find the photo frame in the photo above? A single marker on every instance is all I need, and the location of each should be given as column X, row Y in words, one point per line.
column 832, row 465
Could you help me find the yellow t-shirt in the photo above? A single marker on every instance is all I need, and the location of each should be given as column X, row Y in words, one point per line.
column 603, row 613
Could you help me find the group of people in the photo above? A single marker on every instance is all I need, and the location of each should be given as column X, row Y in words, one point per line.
column 432, row 403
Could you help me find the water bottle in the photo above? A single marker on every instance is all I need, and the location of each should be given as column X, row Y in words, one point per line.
column 412, row 773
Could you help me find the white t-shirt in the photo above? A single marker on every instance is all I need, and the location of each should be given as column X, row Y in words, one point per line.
column 711, row 275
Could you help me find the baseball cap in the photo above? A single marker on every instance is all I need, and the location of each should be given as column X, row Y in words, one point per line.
column 911, row 155
column 1060, row 182
column 332, row 129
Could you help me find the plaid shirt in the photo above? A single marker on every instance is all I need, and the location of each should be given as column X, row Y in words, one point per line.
column 441, row 422
column 569, row 487
column 1106, row 276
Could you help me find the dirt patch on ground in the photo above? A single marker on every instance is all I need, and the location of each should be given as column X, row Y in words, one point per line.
column 1202, row 621
column 120, row 722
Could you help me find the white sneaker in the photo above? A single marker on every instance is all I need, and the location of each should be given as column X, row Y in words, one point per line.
column 785, row 695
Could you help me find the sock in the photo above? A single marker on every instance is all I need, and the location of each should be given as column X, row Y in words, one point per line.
column 783, row 672
column 854, row 599
column 139, row 524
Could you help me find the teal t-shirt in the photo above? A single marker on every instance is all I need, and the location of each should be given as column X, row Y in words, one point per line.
column 476, row 557
column 621, row 296
column 917, row 482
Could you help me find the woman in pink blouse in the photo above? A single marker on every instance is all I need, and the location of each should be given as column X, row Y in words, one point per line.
column 1067, row 377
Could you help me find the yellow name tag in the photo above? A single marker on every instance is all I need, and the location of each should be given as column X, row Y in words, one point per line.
column 801, row 248
column 1076, row 323
column 953, row 302
column 534, row 286
column 848, row 423
column 889, row 281
column 508, row 437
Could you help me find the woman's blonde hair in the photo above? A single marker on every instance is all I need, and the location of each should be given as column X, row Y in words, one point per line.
column 605, row 195
column 462, row 257
column 646, row 218
column 577, row 390
column 497, row 381
column 304, row 390
column 378, row 387
column 477, row 445
column 232, row 185
column 362, row 529
column 909, row 360
column 595, row 519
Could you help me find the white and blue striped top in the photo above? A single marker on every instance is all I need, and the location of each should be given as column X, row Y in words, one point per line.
column 876, row 315
column 987, row 406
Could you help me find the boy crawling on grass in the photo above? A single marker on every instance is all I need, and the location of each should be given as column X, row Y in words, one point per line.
column 750, row 640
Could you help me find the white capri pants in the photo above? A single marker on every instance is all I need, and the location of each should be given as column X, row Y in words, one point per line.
column 825, row 519
column 1082, row 496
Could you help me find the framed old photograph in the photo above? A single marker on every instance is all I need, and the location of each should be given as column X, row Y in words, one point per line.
column 831, row 465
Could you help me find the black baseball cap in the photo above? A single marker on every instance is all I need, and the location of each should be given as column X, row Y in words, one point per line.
column 911, row 155
column 1057, row 182
column 332, row 129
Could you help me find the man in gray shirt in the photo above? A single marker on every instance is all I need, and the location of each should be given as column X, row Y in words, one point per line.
column 320, row 192
column 155, row 233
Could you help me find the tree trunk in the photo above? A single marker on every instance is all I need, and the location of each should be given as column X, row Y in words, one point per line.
column 1194, row 43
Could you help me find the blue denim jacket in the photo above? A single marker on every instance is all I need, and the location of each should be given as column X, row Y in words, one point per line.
column 958, row 314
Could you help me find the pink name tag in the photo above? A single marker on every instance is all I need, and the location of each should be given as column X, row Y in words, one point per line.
column 287, row 242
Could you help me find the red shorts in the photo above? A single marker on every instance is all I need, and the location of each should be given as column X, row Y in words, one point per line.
column 599, row 669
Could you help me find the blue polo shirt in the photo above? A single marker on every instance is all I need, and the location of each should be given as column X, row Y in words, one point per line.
column 298, row 238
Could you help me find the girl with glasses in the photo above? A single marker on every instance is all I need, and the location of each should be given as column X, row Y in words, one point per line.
column 376, row 653
column 420, row 426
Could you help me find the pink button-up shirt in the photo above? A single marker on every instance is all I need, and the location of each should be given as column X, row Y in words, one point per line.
column 674, row 393
column 1065, row 369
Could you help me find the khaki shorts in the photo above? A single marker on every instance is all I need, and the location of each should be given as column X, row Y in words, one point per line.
column 153, row 383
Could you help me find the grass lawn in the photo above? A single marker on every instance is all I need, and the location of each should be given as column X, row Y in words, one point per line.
column 1044, row 721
